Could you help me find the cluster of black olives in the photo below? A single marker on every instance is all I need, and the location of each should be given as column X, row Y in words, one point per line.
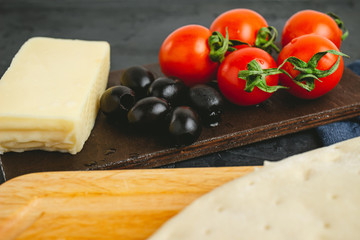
column 162, row 104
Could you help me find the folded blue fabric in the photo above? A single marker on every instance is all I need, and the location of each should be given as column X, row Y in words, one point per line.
column 335, row 132
column 355, row 67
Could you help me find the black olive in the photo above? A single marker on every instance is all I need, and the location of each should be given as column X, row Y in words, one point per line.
column 149, row 113
column 173, row 91
column 116, row 101
column 208, row 103
column 185, row 126
column 138, row 79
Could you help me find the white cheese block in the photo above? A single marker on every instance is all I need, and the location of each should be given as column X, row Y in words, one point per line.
column 315, row 195
column 49, row 96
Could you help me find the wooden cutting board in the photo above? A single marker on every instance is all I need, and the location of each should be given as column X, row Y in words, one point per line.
column 115, row 147
column 117, row 204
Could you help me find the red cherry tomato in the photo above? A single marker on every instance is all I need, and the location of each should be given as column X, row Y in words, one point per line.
column 233, row 87
column 185, row 55
column 242, row 24
column 304, row 47
column 310, row 21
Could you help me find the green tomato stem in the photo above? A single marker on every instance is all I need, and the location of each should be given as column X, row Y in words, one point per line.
column 341, row 25
column 265, row 39
column 308, row 71
column 219, row 45
column 255, row 76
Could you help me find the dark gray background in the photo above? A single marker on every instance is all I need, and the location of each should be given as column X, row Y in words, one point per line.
column 135, row 30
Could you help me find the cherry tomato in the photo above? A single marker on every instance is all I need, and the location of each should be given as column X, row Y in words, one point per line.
column 310, row 21
column 304, row 47
column 233, row 88
column 242, row 24
column 185, row 55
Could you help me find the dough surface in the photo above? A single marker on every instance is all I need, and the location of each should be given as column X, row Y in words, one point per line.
column 314, row 195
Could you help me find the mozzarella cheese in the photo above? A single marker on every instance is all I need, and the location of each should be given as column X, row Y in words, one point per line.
column 314, row 195
column 49, row 96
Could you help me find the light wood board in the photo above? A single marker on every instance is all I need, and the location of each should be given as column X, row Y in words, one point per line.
column 116, row 204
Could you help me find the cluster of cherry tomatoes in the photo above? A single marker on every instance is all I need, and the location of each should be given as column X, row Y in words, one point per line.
column 235, row 51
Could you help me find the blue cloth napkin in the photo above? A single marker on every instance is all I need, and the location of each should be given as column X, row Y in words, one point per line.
column 342, row 130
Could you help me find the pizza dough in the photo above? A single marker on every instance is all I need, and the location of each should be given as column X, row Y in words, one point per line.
column 314, row 195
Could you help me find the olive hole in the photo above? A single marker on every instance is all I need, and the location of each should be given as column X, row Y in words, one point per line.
column 127, row 101
column 185, row 139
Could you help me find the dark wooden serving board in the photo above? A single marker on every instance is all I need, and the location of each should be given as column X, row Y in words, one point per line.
column 115, row 148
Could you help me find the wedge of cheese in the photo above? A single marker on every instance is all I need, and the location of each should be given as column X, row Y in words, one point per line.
column 49, row 96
